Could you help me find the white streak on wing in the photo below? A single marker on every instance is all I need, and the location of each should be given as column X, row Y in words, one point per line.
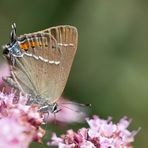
column 35, row 57
column 71, row 44
column 31, row 55
column 51, row 62
column 28, row 54
column 41, row 58
column 57, row 62
column 46, row 60
column 66, row 45
column 54, row 62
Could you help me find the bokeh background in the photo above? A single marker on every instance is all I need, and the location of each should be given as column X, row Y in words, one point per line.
column 110, row 69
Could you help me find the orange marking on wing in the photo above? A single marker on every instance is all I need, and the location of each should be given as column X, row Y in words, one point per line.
column 24, row 46
column 33, row 44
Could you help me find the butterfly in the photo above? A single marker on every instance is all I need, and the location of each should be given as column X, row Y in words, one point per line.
column 40, row 63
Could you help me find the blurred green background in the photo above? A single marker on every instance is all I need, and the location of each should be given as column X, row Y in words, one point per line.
column 110, row 69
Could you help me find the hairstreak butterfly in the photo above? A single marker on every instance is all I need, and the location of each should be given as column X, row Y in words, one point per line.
column 40, row 63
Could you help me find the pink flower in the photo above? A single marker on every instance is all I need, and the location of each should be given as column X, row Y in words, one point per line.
column 100, row 134
column 13, row 134
column 20, row 124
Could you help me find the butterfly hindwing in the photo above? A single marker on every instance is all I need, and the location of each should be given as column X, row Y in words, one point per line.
column 34, row 74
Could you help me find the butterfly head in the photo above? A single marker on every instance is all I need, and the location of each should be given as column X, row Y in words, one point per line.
column 44, row 107
column 12, row 48
column 53, row 108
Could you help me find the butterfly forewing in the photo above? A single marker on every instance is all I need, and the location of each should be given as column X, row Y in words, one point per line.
column 44, row 68
column 33, row 72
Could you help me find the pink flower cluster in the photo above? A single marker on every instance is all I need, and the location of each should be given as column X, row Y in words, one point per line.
column 20, row 124
column 100, row 134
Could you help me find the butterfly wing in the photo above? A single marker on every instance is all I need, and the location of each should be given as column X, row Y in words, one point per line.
column 44, row 68
column 66, row 37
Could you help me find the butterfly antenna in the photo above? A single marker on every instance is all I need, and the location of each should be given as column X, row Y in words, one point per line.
column 71, row 109
column 79, row 104
column 13, row 26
